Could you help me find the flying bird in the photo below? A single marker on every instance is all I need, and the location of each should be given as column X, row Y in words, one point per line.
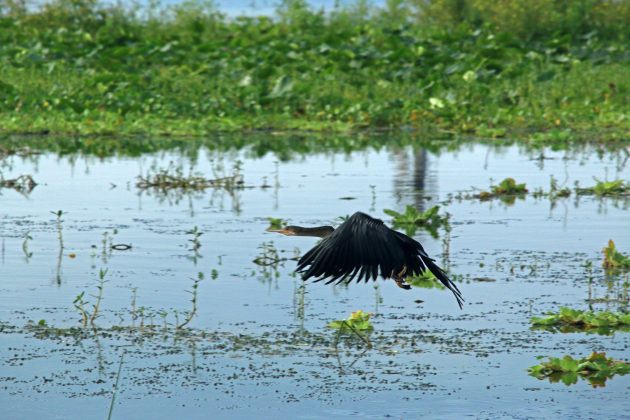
column 363, row 247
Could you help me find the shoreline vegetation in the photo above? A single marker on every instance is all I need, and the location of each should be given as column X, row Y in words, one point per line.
column 545, row 70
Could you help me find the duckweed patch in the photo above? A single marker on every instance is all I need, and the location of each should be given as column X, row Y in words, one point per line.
column 596, row 369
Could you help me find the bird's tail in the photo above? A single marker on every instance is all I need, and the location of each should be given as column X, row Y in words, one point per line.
column 443, row 278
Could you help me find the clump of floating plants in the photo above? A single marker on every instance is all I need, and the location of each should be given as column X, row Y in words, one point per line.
column 596, row 368
column 426, row 280
column 616, row 188
column 412, row 219
column 508, row 190
column 276, row 223
column 358, row 320
column 571, row 320
column 173, row 177
column 23, row 184
column 613, row 259
column 358, row 323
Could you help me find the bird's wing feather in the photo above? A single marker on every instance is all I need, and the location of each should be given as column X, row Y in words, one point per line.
column 360, row 242
column 361, row 248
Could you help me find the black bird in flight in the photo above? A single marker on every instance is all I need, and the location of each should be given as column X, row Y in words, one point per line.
column 363, row 247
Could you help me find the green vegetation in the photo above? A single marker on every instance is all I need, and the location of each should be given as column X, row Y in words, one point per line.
column 357, row 321
column 596, row 368
column 615, row 188
column 276, row 223
column 425, row 280
column 173, row 177
column 507, row 190
column 572, row 320
column 466, row 66
column 613, row 259
column 412, row 219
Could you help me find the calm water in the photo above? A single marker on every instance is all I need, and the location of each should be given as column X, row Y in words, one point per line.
column 259, row 343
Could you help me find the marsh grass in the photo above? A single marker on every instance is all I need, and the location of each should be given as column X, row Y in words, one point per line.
column 85, row 67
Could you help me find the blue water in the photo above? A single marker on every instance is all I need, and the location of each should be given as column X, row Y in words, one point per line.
column 429, row 358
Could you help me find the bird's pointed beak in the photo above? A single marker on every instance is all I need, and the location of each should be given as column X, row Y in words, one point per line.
column 281, row 230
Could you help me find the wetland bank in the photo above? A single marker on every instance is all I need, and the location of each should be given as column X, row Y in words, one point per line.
column 258, row 340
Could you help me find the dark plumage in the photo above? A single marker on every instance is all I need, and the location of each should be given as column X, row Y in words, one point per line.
column 363, row 248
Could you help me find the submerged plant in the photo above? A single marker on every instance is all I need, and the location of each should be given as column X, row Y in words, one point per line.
column 571, row 320
column 613, row 259
column 596, row 368
column 412, row 219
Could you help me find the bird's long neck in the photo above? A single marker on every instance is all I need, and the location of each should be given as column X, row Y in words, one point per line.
column 319, row 231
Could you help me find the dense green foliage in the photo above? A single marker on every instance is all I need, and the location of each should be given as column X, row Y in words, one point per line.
column 596, row 368
column 473, row 66
column 572, row 320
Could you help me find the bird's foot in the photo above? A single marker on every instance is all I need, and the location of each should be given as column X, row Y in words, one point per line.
column 401, row 283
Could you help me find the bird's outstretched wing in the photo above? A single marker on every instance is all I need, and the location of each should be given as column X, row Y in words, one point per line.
column 363, row 248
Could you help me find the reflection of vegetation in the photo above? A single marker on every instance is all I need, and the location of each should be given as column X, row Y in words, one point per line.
column 412, row 219
column 613, row 259
column 173, row 177
column 23, row 184
column 596, row 368
column 617, row 188
column 59, row 214
column 507, row 190
column 571, row 320
column 195, row 243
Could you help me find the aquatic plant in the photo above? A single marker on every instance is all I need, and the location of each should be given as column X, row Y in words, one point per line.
column 426, row 280
column 412, row 219
column 80, row 303
column 357, row 321
column 193, row 311
column 302, row 69
column 616, row 188
column 507, row 189
column 596, row 368
column 571, row 320
column 613, row 259
column 172, row 177
column 276, row 223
